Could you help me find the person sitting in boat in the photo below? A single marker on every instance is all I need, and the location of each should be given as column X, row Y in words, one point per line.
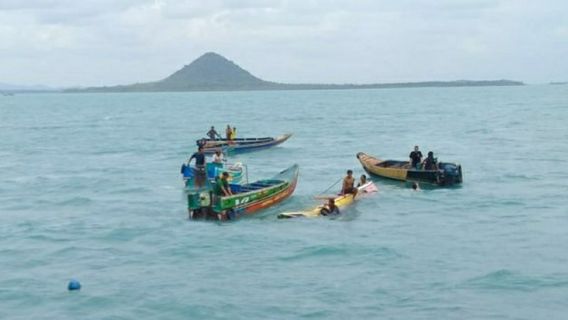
column 229, row 133
column 362, row 180
column 218, row 157
column 200, row 173
column 430, row 163
column 330, row 209
column 212, row 133
column 201, row 142
column 234, row 133
column 348, row 184
column 415, row 158
column 222, row 189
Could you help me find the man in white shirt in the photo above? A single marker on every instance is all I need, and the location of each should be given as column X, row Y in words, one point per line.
column 218, row 157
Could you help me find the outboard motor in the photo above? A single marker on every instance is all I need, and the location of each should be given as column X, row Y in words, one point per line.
column 450, row 173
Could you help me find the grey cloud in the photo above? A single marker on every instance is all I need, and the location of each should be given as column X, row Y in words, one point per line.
column 285, row 40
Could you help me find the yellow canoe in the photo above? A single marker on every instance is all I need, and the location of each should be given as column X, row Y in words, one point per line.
column 341, row 201
column 385, row 168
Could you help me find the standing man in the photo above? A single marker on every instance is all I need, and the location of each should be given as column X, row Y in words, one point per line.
column 212, row 134
column 415, row 158
column 229, row 133
column 348, row 184
column 200, row 173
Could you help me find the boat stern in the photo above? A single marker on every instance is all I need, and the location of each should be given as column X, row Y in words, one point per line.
column 450, row 174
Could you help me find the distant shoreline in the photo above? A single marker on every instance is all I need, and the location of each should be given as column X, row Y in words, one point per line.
column 213, row 72
column 299, row 87
column 289, row 87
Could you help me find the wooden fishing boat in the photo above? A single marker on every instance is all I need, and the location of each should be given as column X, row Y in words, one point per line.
column 340, row 201
column 447, row 174
column 241, row 144
column 246, row 199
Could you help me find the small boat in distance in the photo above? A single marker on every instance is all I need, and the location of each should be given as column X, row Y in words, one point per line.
column 340, row 202
column 241, row 144
column 246, row 199
column 448, row 174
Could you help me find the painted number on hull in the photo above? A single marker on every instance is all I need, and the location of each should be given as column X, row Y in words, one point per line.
column 242, row 200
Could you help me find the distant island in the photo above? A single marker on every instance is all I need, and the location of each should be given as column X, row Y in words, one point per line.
column 7, row 89
column 559, row 83
column 213, row 72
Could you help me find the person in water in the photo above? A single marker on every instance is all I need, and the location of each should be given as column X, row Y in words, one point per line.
column 430, row 163
column 362, row 180
column 415, row 158
column 415, row 186
column 212, row 133
column 330, row 209
column 348, row 184
column 200, row 162
column 218, row 157
column 229, row 132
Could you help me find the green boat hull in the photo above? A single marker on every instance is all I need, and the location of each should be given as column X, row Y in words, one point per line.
column 247, row 198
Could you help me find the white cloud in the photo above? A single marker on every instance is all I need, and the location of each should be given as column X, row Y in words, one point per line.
column 67, row 42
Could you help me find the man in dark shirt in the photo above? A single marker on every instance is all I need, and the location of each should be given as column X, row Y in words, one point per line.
column 430, row 163
column 199, row 157
column 212, row 134
column 415, row 158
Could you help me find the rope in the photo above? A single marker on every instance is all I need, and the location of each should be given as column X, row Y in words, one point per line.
column 336, row 182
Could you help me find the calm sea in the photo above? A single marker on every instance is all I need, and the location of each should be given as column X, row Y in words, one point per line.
column 90, row 189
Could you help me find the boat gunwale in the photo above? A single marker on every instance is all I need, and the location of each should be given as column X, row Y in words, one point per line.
column 284, row 185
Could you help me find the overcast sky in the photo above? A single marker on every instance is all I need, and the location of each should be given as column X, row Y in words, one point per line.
column 105, row 42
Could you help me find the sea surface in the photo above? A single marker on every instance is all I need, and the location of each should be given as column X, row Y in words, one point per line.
column 90, row 189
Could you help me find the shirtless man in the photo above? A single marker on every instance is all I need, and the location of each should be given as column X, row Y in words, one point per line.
column 348, row 184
